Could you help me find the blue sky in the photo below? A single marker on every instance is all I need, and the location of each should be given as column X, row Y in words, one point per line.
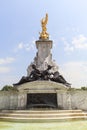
column 20, row 27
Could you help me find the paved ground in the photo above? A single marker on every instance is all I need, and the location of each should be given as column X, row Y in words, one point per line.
column 75, row 125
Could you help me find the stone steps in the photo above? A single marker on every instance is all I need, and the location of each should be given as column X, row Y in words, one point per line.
column 42, row 116
column 42, row 111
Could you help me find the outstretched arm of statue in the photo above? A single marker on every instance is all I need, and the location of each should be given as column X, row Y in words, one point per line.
column 44, row 20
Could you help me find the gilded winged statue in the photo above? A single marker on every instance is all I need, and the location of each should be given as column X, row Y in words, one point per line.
column 44, row 34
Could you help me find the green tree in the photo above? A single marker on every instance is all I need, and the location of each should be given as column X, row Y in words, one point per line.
column 84, row 88
column 9, row 88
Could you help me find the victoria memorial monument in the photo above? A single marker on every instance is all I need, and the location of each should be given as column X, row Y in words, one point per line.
column 44, row 86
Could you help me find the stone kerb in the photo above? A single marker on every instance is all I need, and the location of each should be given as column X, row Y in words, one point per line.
column 41, row 87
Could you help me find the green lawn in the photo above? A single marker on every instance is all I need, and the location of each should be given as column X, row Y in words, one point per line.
column 75, row 125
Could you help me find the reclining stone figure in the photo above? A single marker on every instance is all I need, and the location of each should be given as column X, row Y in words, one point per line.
column 60, row 79
column 36, row 74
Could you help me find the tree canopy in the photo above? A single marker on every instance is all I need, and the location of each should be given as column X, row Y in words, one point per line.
column 9, row 88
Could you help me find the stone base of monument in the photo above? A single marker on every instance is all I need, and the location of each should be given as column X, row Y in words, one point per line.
column 43, row 94
column 42, row 101
column 38, row 116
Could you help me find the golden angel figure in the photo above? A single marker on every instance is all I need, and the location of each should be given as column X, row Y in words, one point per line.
column 44, row 34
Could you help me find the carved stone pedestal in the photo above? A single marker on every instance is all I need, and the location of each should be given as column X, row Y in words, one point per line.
column 43, row 56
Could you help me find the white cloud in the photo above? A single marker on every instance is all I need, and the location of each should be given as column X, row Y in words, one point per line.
column 3, row 64
column 8, row 80
column 4, row 70
column 75, row 73
column 79, row 42
column 6, row 60
column 20, row 45
column 67, row 46
column 25, row 46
